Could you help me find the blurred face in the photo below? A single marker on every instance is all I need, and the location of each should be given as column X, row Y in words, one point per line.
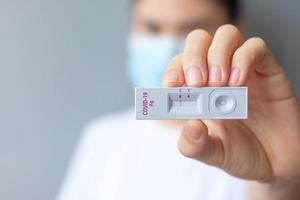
column 176, row 17
column 158, row 29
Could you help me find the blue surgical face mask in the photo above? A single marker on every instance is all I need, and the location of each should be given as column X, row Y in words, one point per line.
column 148, row 57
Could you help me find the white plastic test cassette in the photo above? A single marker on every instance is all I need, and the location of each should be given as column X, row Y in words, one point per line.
column 191, row 103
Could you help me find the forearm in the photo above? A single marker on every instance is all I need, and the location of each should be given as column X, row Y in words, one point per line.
column 275, row 191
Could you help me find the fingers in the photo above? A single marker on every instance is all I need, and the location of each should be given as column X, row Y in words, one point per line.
column 205, row 60
column 255, row 54
column 227, row 39
column 195, row 58
column 219, row 61
column 196, row 143
column 174, row 76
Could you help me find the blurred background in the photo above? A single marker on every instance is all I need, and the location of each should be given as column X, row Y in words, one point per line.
column 62, row 65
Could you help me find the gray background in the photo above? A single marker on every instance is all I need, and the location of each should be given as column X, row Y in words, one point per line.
column 62, row 64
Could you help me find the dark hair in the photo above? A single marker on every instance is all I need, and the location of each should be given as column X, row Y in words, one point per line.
column 233, row 7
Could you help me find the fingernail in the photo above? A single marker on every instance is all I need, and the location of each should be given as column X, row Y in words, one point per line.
column 194, row 75
column 215, row 74
column 193, row 134
column 234, row 76
column 171, row 76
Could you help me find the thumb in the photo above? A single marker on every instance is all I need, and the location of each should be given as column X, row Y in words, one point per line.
column 196, row 143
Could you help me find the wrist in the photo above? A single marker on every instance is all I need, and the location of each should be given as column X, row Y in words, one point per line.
column 275, row 190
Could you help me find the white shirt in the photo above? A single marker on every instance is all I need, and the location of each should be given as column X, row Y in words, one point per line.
column 120, row 158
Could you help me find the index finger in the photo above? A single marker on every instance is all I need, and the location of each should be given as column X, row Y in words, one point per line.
column 173, row 76
column 195, row 57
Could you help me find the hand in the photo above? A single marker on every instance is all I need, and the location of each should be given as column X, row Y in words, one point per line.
column 266, row 146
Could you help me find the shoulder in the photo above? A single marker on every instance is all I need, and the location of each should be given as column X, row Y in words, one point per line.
column 111, row 121
column 108, row 127
column 115, row 129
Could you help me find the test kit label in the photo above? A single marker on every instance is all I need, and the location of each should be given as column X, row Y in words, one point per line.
column 191, row 103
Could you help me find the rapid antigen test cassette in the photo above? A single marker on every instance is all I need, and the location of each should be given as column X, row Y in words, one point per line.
column 191, row 103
